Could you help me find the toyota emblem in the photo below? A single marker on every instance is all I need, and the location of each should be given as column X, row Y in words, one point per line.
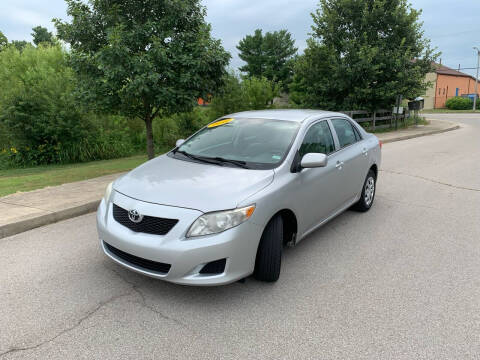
column 135, row 216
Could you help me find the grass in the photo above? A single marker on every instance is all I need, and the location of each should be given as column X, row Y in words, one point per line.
column 26, row 179
column 410, row 122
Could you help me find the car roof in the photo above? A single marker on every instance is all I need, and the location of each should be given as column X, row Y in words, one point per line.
column 298, row 115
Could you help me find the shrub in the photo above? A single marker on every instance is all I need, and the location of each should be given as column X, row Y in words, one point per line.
column 249, row 94
column 5, row 140
column 4, row 157
column 180, row 126
column 41, row 116
column 259, row 92
column 230, row 99
column 190, row 122
column 459, row 103
column 38, row 106
column 166, row 133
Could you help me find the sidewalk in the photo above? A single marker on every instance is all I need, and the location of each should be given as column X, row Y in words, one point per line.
column 435, row 127
column 28, row 210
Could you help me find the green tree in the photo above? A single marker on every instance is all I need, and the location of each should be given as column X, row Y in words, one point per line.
column 251, row 51
column 376, row 51
column 20, row 44
column 312, row 84
column 259, row 92
column 270, row 55
column 3, row 41
column 230, row 98
column 143, row 58
column 42, row 35
column 249, row 94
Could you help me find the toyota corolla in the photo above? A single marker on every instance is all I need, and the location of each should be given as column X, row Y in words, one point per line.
column 223, row 203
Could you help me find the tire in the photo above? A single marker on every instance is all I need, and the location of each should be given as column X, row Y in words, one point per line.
column 269, row 253
column 368, row 193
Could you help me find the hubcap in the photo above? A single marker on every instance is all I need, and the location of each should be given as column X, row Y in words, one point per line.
column 369, row 190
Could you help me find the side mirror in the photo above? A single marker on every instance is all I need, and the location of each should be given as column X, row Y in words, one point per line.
column 314, row 160
column 179, row 142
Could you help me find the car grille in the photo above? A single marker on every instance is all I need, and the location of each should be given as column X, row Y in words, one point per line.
column 148, row 225
column 136, row 261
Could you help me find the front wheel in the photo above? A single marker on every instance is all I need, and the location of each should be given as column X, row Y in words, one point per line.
column 269, row 253
column 368, row 193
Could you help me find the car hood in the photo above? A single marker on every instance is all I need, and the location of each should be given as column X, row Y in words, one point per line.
column 168, row 181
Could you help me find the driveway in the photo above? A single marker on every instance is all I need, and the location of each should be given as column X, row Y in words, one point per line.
column 399, row 282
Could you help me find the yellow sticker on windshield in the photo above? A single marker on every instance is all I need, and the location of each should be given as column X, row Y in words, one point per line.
column 219, row 122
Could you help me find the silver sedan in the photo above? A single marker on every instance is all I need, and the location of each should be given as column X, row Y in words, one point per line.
column 223, row 203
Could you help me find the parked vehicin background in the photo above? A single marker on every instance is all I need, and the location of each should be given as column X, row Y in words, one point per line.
column 223, row 203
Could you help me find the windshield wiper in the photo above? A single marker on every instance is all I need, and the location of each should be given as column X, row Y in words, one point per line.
column 215, row 160
column 198, row 158
column 238, row 163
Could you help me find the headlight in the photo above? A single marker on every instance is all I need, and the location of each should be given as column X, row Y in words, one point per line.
column 216, row 222
column 108, row 191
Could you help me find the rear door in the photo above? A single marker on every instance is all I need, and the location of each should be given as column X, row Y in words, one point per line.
column 352, row 158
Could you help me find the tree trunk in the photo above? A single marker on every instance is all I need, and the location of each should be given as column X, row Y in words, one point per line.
column 150, row 145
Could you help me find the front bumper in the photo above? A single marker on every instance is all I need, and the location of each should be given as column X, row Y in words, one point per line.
column 186, row 256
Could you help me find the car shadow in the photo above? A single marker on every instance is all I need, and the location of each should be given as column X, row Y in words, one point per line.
column 164, row 293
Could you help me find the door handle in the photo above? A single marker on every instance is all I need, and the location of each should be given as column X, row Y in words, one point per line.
column 339, row 165
column 365, row 151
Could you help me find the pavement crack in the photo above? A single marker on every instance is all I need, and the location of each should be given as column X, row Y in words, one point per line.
column 136, row 289
column 431, row 180
column 79, row 322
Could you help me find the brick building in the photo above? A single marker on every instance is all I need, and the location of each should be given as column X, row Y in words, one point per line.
column 447, row 83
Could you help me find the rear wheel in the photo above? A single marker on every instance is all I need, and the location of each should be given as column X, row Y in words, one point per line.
column 269, row 253
column 368, row 193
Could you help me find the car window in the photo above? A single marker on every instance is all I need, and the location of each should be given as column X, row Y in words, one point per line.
column 318, row 140
column 260, row 143
column 357, row 134
column 345, row 132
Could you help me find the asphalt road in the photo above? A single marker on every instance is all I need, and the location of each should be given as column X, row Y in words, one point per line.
column 399, row 282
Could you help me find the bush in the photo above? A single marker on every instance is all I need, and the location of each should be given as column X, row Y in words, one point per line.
column 179, row 126
column 41, row 115
column 259, row 93
column 165, row 133
column 192, row 121
column 459, row 103
column 230, row 99
column 5, row 140
column 38, row 107
column 249, row 94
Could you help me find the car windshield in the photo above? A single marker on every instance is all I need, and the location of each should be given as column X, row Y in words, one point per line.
column 241, row 142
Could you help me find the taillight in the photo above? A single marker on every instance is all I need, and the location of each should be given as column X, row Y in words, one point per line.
column 380, row 143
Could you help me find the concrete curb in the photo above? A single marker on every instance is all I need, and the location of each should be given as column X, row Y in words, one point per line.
column 412, row 136
column 29, row 224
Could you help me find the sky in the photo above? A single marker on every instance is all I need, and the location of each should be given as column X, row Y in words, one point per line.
column 452, row 26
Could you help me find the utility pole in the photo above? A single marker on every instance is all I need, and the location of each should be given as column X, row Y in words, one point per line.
column 476, row 80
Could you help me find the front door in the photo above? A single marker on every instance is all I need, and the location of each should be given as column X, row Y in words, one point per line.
column 317, row 187
column 352, row 157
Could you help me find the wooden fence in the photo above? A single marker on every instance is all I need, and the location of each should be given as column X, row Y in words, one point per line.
column 377, row 119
